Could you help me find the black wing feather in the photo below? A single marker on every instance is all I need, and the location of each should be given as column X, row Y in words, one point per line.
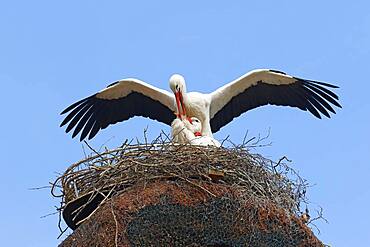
column 324, row 95
column 78, row 116
column 325, row 90
column 304, row 94
column 93, row 114
column 75, row 104
column 73, row 113
column 321, row 100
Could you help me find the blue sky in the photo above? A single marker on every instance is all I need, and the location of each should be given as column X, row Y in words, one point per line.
column 54, row 53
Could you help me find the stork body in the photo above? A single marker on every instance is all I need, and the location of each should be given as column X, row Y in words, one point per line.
column 188, row 132
column 197, row 105
column 205, row 141
column 131, row 97
column 183, row 131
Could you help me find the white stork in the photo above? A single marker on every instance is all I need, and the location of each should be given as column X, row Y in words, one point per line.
column 188, row 131
column 127, row 98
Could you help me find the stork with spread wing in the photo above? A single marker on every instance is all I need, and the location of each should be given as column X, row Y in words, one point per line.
column 131, row 97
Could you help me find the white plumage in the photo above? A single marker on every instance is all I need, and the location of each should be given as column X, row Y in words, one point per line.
column 186, row 132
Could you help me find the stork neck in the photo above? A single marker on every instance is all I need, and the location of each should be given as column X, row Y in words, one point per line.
column 185, row 98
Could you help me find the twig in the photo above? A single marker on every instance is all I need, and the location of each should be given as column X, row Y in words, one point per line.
column 192, row 183
column 225, row 139
column 115, row 220
column 40, row 188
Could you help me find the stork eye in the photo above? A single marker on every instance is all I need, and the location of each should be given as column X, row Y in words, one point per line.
column 177, row 87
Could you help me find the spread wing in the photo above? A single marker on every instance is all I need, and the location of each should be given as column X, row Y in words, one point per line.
column 116, row 103
column 263, row 87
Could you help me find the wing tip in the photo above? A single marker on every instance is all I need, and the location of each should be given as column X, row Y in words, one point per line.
column 65, row 110
column 317, row 82
column 74, row 134
column 324, row 84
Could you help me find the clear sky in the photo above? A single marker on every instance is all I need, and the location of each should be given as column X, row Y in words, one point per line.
column 54, row 53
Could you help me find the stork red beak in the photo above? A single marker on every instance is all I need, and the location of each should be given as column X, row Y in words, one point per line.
column 180, row 106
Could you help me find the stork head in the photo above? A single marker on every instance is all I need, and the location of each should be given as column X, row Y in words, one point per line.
column 196, row 125
column 178, row 87
column 177, row 83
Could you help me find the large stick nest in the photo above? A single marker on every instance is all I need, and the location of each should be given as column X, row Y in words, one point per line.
column 105, row 174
